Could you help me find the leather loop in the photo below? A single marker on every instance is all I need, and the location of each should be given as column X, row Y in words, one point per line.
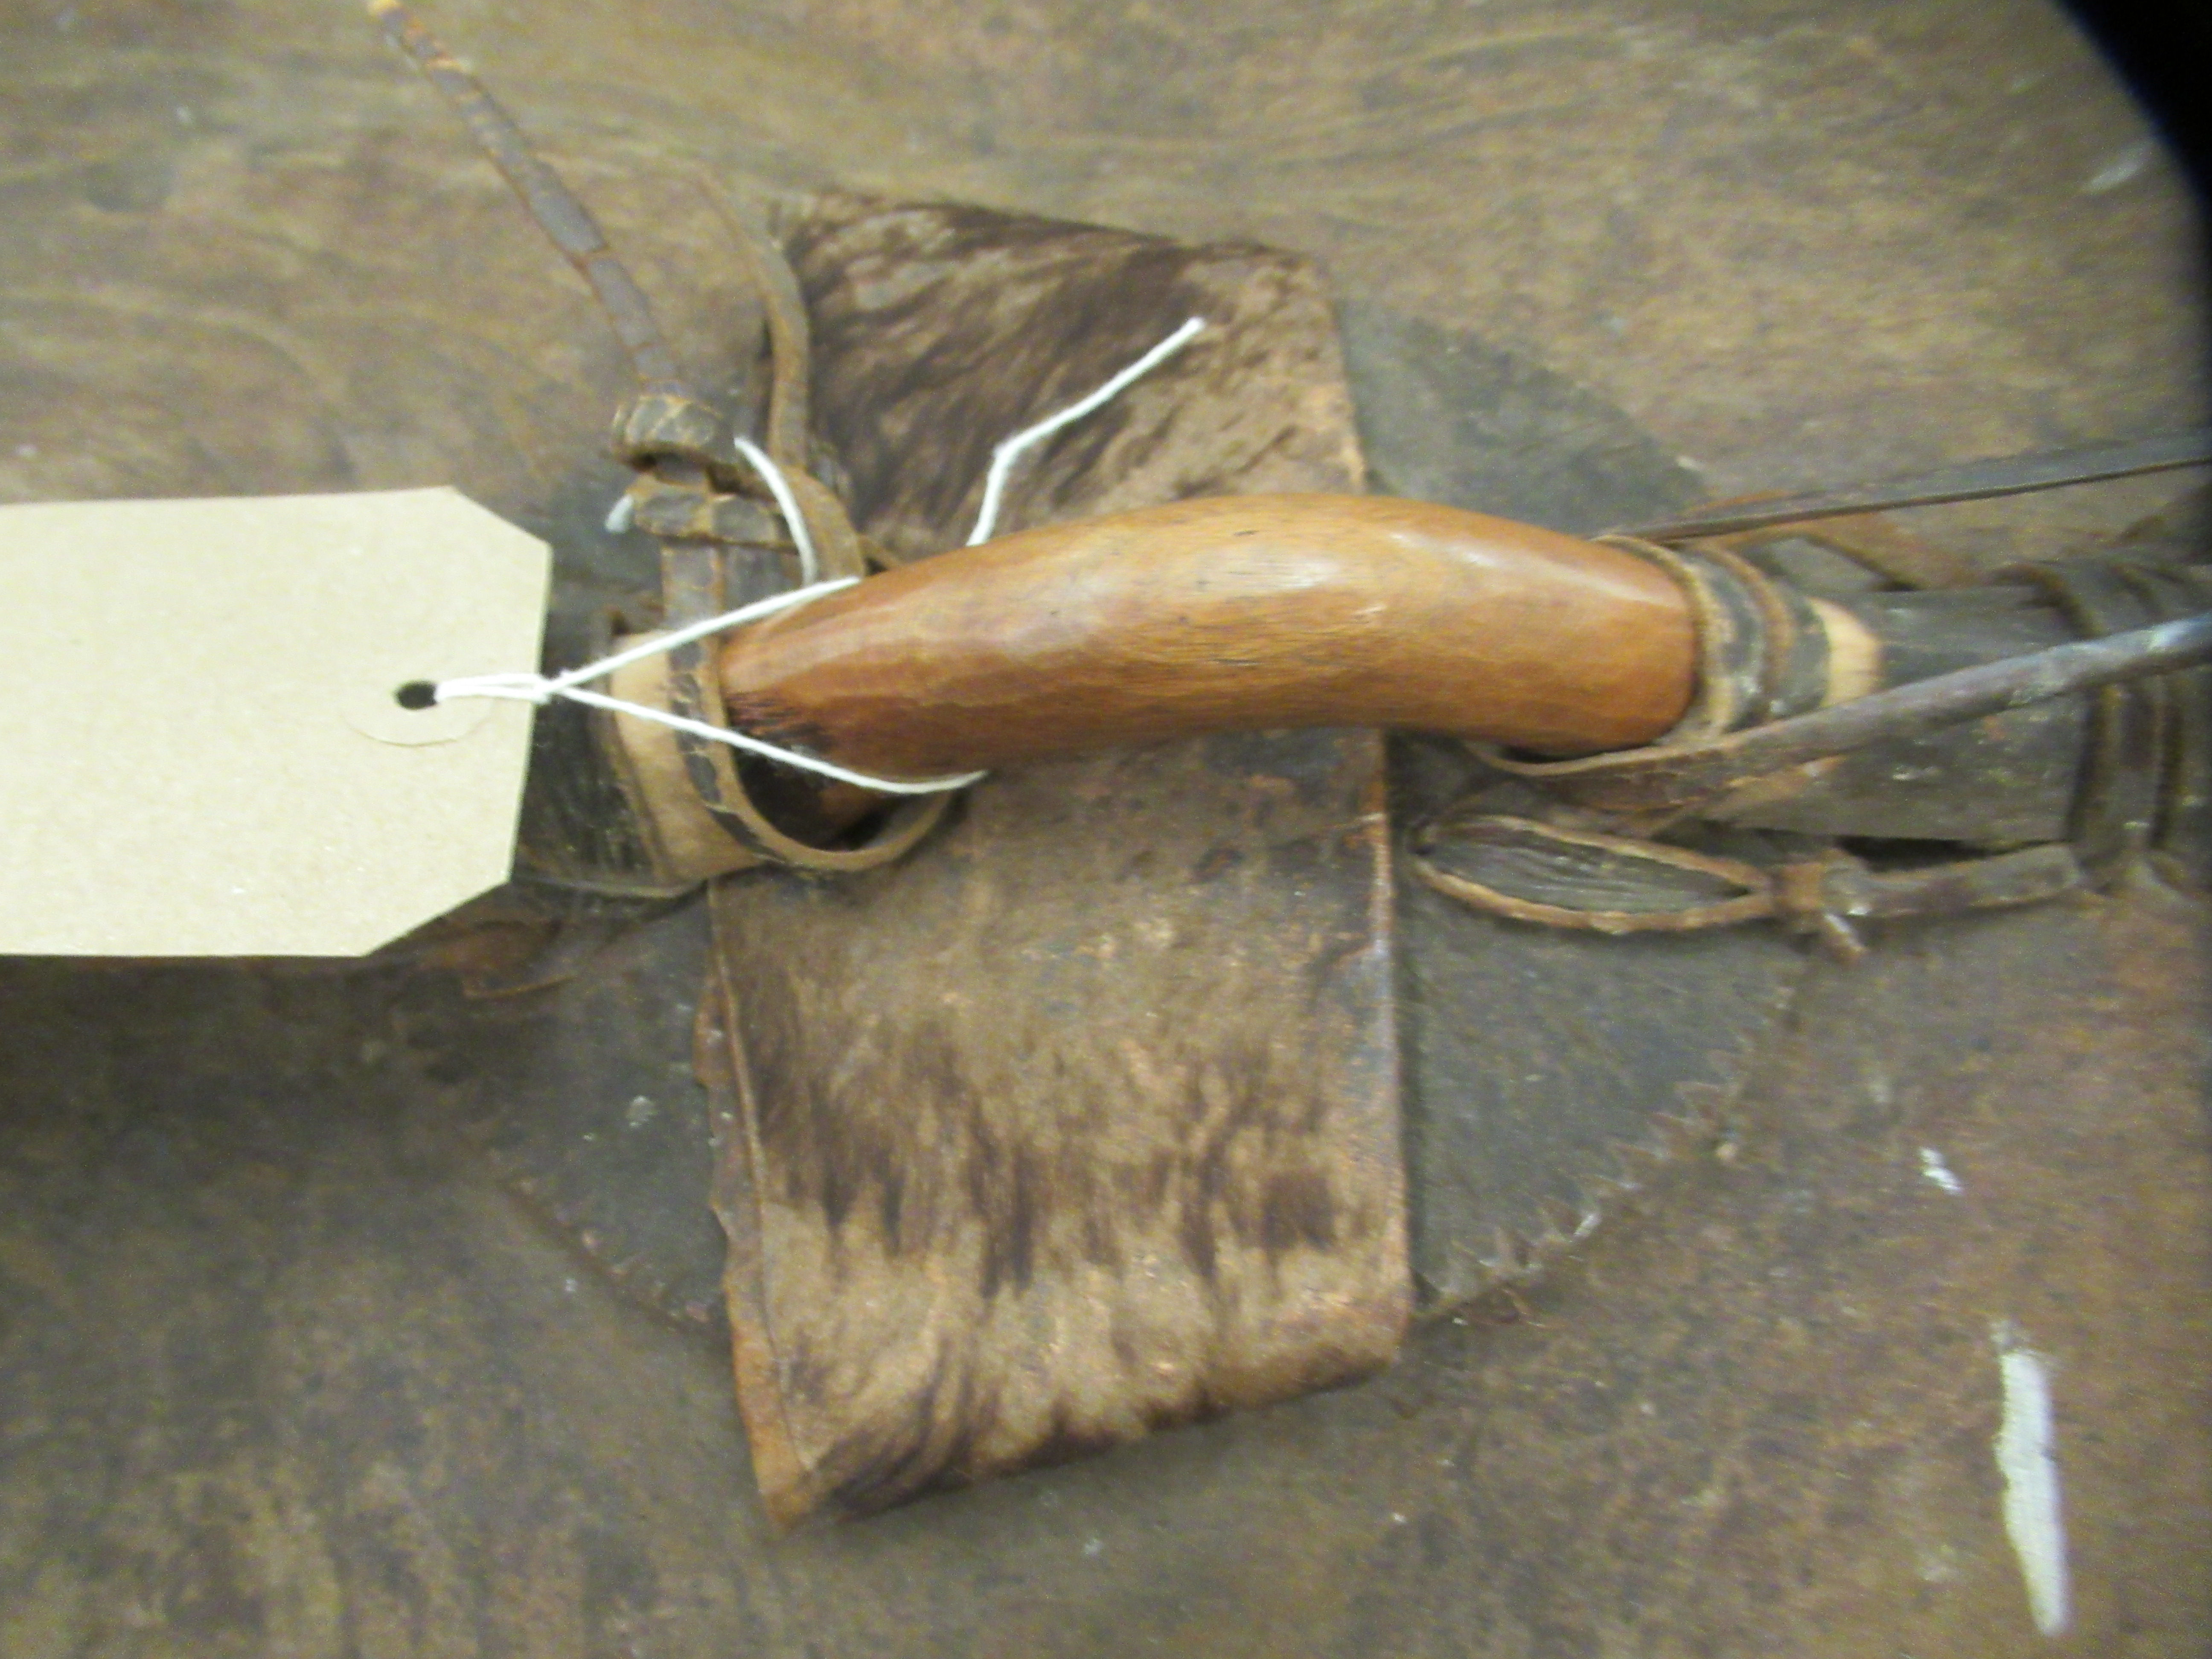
column 692, row 581
column 1525, row 869
column 1585, row 879
column 698, row 499
column 676, row 511
column 1757, row 652
column 2138, row 732
column 655, row 426
column 1733, row 658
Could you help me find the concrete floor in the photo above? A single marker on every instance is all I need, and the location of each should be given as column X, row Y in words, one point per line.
column 284, row 1371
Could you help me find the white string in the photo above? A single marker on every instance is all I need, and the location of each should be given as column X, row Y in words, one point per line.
column 555, row 684
column 542, row 688
column 788, row 756
column 1004, row 457
column 810, row 566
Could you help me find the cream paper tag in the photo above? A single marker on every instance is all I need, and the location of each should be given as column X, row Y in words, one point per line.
column 203, row 751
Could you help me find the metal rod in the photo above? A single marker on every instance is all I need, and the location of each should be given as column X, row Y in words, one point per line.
column 1929, row 705
column 2010, row 475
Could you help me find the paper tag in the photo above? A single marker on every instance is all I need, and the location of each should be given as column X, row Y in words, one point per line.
column 202, row 747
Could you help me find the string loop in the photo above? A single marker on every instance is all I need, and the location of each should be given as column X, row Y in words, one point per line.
column 542, row 688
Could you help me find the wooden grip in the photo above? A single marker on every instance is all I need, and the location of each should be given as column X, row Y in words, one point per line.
column 1231, row 614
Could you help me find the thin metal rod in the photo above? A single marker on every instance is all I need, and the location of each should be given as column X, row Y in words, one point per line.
column 1929, row 705
column 2009, row 475
column 564, row 219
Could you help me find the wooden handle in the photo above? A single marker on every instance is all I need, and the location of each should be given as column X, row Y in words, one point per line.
column 1231, row 614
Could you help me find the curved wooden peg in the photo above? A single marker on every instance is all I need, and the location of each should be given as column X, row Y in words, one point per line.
column 1231, row 614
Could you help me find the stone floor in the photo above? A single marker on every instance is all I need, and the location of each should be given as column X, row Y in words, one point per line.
column 284, row 1371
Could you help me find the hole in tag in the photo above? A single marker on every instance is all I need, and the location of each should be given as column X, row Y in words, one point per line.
column 386, row 702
